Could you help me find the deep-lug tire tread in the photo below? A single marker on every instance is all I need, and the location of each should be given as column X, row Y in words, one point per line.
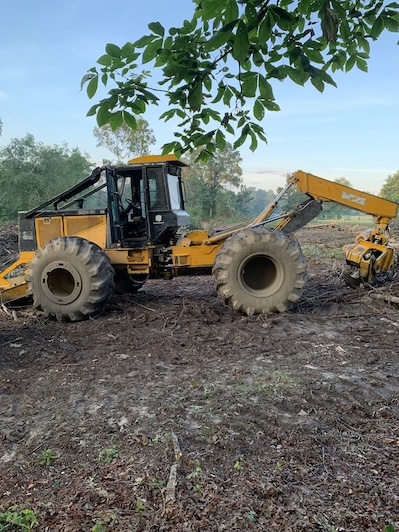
column 247, row 241
column 91, row 262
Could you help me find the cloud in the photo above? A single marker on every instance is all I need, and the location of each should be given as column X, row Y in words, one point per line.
column 336, row 104
column 265, row 178
column 269, row 172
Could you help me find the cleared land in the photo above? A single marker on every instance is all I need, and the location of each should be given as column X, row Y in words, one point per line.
column 171, row 412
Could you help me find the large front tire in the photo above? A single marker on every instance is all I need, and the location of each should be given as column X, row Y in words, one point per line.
column 260, row 270
column 70, row 278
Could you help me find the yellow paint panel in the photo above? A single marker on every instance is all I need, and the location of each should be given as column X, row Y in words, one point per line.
column 24, row 259
column 47, row 229
column 14, row 292
column 135, row 258
column 91, row 227
column 195, row 256
column 13, row 284
column 325, row 190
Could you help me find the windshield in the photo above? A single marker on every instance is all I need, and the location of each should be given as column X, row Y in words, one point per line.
column 156, row 189
column 174, row 193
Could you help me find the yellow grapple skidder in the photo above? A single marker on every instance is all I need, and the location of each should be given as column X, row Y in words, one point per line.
column 124, row 225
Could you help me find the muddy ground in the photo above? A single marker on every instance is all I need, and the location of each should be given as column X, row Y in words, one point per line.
column 170, row 412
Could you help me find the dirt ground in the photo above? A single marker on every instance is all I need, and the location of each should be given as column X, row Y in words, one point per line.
column 170, row 412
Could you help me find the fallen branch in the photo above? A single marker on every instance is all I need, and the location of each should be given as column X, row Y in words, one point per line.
column 390, row 322
column 387, row 298
column 143, row 306
column 176, row 447
column 170, row 490
column 5, row 309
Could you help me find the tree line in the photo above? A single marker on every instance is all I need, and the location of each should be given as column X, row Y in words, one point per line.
column 31, row 172
column 217, row 74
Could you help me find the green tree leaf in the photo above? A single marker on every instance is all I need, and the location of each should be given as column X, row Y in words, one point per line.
column 297, row 76
column 157, row 28
column 151, row 50
column 265, row 88
column 241, row 43
column 271, row 106
column 86, row 78
column 113, row 50
column 211, row 9
column 259, row 110
column 92, row 111
column 350, row 63
column 318, row 83
column 390, row 23
column 377, row 28
column 105, row 60
column 103, row 115
column 129, row 120
column 92, row 87
column 361, row 64
column 116, row 120
column 266, row 27
column 231, row 12
column 249, row 85
column 221, row 37
column 220, row 140
column 195, row 96
column 144, row 41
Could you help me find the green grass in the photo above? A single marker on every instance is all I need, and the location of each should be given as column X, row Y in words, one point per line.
column 364, row 221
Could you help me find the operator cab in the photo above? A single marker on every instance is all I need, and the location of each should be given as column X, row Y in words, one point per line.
column 146, row 201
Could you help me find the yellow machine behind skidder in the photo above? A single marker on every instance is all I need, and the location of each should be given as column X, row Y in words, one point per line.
column 125, row 225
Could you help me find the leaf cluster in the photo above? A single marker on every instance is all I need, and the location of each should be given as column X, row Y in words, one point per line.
column 218, row 70
column 47, row 458
column 18, row 519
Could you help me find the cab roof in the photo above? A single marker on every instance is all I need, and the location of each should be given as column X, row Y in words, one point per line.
column 157, row 159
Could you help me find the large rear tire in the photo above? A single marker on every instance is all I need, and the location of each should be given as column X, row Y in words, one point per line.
column 260, row 270
column 70, row 278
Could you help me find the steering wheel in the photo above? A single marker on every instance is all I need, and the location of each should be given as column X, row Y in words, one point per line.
column 131, row 205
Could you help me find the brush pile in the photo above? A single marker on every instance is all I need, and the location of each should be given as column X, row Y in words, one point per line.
column 8, row 244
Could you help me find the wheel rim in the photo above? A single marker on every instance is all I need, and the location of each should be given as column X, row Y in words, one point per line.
column 61, row 282
column 261, row 275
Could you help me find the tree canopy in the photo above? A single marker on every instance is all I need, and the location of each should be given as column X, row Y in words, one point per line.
column 125, row 143
column 31, row 172
column 390, row 189
column 216, row 73
column 206, row 181
column 331, row 209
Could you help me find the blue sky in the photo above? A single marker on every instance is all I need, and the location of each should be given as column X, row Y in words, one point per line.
column 47, row 46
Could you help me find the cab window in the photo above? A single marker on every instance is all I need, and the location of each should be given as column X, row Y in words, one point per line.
column 156, row 189
column 174, row 193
